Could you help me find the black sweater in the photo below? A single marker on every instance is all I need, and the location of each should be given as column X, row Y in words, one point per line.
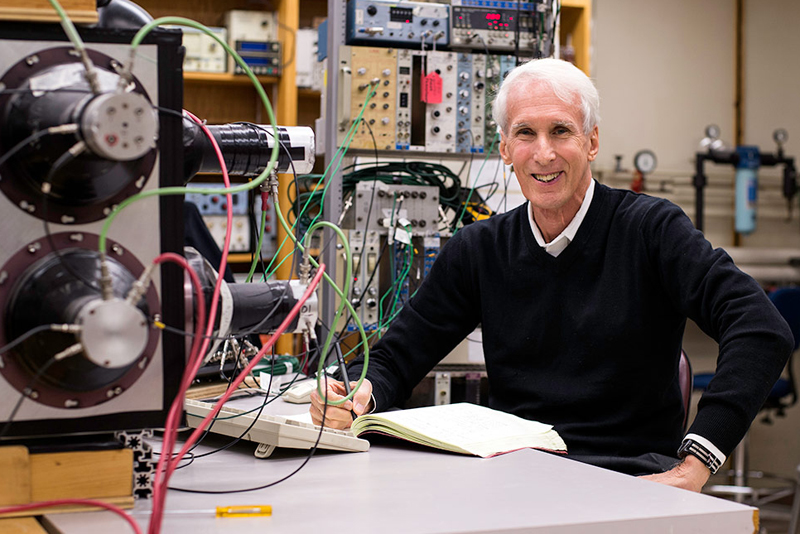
column 589, row 341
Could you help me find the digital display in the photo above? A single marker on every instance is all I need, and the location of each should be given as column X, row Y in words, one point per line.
column 494, row 19
column 401, row 14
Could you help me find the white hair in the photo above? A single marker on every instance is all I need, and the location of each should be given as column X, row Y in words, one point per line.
column 567, row 82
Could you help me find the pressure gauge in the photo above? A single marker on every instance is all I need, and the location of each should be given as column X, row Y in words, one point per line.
column 645, row 161
column 712, row 131
column 780, row 136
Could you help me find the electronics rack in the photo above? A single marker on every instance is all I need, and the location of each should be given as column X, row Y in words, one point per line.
column 457, row 123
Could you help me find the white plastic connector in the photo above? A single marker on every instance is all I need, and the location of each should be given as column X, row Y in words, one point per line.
column 72, row 350
column 66, row 328
column 139, row 287
column 106, row 284
column 347, row 205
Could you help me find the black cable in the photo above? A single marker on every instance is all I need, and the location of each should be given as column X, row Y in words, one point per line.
column 30, row 139
column 311, row 452
column 250, row 427
column 254, row 329
column 357, row 305
column 169, row 111
column 267, row 400
column 516, row 34
column 62, row 160
column 25, row 393
column 555, row 25
column 255, row 226
column 269, row 131
column 181, row 332
column 294, row 44
column 357, row 268
column 24, row 337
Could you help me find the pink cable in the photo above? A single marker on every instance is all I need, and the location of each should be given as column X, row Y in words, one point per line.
column 155, row 520
column 194, row 354
column 171, row 426
column 83, row 502
column 256, row 360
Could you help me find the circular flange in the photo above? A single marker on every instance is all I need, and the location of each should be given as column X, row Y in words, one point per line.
column 36, row 289
column 49, row 89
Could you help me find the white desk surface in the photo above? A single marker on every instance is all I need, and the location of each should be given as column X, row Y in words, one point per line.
column 400, row 489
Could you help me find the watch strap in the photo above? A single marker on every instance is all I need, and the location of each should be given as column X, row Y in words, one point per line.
column 699, row 451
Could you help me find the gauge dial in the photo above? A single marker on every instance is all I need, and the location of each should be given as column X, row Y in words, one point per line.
column 645, row 161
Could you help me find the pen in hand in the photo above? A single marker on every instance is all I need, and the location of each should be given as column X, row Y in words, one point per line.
column 343, row 370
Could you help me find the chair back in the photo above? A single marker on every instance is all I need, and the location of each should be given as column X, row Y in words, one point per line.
column 787, row 302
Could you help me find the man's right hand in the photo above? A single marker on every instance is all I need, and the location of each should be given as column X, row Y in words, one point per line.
column 340, row 417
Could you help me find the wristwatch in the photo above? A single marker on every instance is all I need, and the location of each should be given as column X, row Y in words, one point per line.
column 690, row 446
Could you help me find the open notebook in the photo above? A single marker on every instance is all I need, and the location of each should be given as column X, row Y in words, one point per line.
column 464, row 428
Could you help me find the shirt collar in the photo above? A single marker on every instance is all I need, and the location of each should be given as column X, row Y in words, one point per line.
column 557, row 245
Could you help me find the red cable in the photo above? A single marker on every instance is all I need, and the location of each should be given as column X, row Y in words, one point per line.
column 170, row 428
column 82, row 502
column 256, row 360
column 194, row 354
column 159, row 491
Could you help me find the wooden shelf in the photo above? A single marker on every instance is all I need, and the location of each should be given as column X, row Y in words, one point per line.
column 226, row 78
column 576, row 19
column 79, row 11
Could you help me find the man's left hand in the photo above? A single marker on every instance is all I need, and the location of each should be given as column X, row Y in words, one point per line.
column 690, row 474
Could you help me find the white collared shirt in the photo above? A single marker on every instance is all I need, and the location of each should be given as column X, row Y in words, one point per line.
column 557, row 245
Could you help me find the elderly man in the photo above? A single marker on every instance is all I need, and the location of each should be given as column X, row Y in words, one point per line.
column 583, row 295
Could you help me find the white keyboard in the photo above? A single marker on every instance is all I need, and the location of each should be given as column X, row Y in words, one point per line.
column 271, row 431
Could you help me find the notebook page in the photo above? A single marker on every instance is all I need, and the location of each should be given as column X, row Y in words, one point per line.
column 476, row 429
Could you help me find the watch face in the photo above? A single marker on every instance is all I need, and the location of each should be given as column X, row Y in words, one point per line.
column 645, row 161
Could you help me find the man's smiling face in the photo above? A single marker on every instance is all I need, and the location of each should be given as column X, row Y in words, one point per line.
column 548, row 148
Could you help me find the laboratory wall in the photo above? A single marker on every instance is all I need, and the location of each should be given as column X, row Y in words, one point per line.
column 665, row 70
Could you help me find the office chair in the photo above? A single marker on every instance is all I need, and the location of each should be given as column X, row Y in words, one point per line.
column 782, row 396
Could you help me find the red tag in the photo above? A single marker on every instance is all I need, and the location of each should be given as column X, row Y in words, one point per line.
column 431, row 89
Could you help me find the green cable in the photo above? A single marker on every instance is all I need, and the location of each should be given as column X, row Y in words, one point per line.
column 180, row 21
column 343, row 149
column 269, row 271
column 397, row 286
column 257, row 254
column 394, row 288
column 343, row 301
column 345, row 291
column 137, row 40
column 69, row 27
column 372, row 335
column 341, row 295
column 471, row 190
column 404, row 275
